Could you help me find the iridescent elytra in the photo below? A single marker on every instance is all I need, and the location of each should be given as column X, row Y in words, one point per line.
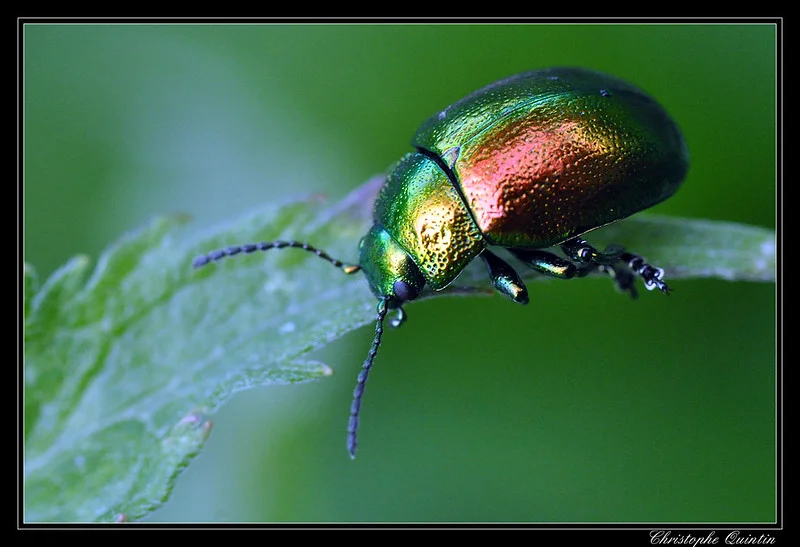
column 528, row 164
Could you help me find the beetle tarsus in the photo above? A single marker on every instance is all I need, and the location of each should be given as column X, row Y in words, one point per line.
column 623, row 278
column 652, row 276
column 399, row 318
column 589, row 259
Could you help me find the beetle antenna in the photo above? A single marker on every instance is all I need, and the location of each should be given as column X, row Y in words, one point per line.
column 219, row 254
column 358, row 392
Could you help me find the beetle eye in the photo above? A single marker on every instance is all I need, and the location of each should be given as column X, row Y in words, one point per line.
column 404, row 292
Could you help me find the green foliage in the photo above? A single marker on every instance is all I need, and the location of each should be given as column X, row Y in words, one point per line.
column 123, row 371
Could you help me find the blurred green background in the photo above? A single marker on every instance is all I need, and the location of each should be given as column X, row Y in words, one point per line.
column 583, row 406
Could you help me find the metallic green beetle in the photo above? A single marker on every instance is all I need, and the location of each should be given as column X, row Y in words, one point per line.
column 527, row 163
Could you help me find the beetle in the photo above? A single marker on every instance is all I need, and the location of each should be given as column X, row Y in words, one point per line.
column 530, row 163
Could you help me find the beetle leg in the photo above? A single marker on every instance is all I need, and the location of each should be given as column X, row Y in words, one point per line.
column 504, row 278
column 589, row 259
column 616, row 262
column 399, row 319
column 620, row 273
column 547, row 263
column 581, row 251
column 653, row 277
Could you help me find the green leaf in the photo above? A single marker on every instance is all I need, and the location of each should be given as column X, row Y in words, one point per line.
column 124, row 370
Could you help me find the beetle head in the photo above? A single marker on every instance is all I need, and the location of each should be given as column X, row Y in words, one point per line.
column 391, row 272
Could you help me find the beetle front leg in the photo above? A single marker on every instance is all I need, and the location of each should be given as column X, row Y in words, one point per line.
column 504, row 278
column 618, row 263
column 399, row 318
